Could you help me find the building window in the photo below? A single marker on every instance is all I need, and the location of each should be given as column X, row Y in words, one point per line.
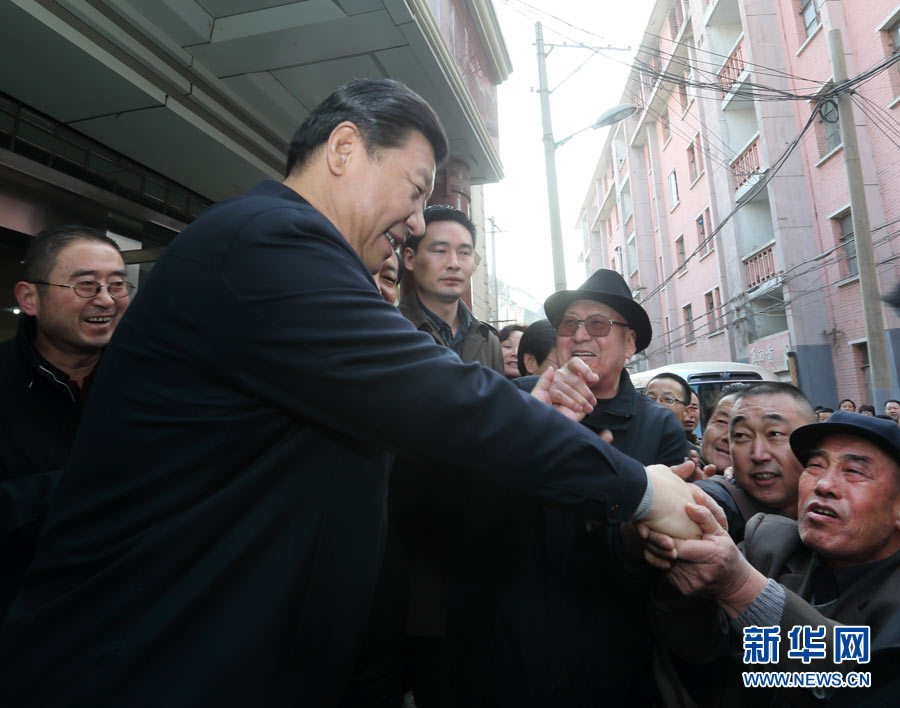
column 692, row 163
column 849, row 244
column 664, row 122
column 680, row 253
column 894, row 34
column 673, row 189
column 682, row 90
column 809, row 14
column 632, row 255
column 704, row 242
column 688, row 323
column 713, row 310
column 831, row 128
column 626, row 202
column 893, row 47
column 619, row 261
column 698, row 154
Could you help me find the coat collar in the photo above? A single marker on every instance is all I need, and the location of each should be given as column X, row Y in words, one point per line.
column 623, row 404
column 37, row 367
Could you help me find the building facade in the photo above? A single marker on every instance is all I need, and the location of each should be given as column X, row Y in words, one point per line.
column 132, row 116
column 724, row 199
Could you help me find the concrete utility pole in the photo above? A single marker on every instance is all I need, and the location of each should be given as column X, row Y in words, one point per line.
column 879, row 361
column 559, row 261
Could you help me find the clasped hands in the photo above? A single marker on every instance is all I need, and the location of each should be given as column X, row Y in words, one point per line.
column 686, row 530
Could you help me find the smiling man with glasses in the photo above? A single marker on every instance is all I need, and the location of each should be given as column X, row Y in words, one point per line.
column 72, row 297
column 557, row 603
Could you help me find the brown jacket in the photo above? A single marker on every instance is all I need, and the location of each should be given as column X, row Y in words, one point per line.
column 481, row 343
column 693, row 629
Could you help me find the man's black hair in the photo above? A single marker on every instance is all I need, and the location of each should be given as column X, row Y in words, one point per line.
column 847, row 400
column 538, row 340
column 441, row 212
column 892, row 400
column 385, row 111
column 40, row 258
column 866, row 407
column 764, row 388
column 686, row 389
column 726, row 391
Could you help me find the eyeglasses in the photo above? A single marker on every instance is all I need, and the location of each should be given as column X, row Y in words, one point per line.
column 665, row 400
column 91, row 288
column 594, row 326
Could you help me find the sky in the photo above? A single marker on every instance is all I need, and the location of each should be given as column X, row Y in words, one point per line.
column 518, row 202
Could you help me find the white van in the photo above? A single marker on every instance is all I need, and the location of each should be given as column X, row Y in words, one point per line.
column 707, row 378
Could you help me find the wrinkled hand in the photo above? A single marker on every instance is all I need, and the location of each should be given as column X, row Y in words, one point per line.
column 671, row 495
column 711, row 565
column 698, row 471
column 660, row 547
column 571, row 386
column 541, row 391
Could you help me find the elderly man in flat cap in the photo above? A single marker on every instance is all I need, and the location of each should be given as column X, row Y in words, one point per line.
column 834, row 569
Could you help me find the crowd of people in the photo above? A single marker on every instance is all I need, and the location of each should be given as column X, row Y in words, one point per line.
column 297, row 470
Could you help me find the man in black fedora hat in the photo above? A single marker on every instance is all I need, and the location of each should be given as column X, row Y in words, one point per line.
column 599, row 328
column 551, row 592
column 837, row 564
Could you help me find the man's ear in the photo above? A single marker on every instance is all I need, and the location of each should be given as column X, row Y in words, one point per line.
column 343, row 145
column 630, row 346
column 409, row 258
column 28, row 298
column 531, row 365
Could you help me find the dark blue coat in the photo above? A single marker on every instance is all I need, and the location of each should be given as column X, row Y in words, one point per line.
column 546, row 615
column 216, row 536
column 38, row 418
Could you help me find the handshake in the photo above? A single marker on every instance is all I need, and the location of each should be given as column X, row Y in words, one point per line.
column 684, row 530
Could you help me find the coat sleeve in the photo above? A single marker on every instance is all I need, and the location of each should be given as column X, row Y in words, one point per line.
column 308, row 333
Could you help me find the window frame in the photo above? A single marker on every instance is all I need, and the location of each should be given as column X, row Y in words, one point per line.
column 687, row 312
column 674, row 197
column 847, row 240
column 809, row 28
column 680, row 253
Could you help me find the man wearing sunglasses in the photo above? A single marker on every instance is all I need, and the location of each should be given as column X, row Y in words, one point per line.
column 554, row 595
column 71, row 300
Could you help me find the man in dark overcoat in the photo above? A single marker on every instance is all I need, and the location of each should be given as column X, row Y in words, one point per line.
column 216, row 535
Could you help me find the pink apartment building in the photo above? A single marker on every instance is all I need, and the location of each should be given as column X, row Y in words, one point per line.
column 740, row 247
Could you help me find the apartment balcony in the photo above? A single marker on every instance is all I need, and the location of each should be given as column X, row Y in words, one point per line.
column 760, row 267
column 746, row 165
column 732, row 69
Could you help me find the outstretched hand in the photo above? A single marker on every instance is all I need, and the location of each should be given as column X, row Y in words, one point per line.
column 542, row 392
column 671, row 494
column 571, row 386
column 711, row 565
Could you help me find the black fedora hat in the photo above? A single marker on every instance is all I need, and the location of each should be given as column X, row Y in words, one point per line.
column 610, row 288
column 883, row 433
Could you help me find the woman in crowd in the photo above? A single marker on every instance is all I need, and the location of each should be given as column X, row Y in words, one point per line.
column 509, row 346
